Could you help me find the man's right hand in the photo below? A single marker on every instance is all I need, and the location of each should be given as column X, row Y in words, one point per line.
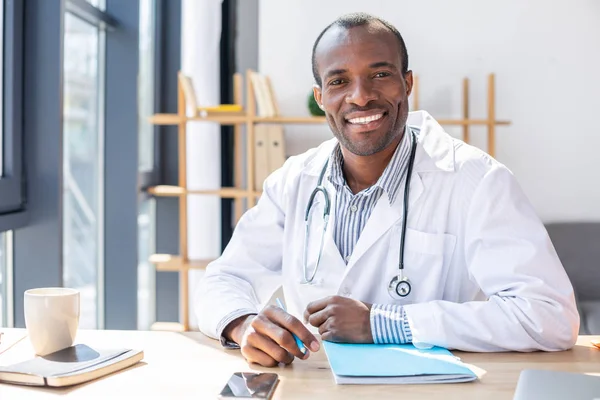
column 266, row 339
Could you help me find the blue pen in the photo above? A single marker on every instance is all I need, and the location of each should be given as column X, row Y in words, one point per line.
column 298, row 341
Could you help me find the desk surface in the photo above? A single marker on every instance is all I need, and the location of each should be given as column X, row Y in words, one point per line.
column 191, row 366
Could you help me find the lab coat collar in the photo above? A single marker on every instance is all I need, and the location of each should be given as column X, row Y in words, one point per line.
column 435, row 150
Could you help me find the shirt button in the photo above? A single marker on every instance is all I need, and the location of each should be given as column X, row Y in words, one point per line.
column 353, row 208
column 347, row 258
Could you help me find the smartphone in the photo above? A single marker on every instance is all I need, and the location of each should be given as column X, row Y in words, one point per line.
column 250, row 385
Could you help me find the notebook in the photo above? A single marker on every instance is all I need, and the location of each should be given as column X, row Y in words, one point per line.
column 70, row 366
column 394, row 364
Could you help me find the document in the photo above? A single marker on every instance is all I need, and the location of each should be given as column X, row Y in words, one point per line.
column 394, row 364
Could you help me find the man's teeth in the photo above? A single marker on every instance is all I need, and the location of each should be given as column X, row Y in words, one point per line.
column 365, row 120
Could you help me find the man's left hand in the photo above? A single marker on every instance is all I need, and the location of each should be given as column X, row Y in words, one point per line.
column 341, row 319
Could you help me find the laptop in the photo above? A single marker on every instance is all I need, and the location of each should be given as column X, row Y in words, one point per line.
column 556, row 385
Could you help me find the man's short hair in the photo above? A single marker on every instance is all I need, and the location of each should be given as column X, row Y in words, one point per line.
column 359, row 19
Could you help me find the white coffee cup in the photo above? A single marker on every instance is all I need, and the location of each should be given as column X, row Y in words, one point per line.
column 51, row 318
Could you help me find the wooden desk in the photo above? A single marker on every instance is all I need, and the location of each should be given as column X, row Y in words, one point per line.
column 191, row 366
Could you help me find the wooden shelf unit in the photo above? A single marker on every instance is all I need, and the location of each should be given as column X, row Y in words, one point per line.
column 466, row 121
column 181, row 263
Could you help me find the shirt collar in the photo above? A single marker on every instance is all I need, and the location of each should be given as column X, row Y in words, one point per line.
column 393, row 173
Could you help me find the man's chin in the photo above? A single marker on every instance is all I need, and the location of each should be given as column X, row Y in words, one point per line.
column 367, row 144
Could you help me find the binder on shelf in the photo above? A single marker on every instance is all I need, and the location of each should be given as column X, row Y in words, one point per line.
column 262, row 94
column 269, row 150
column 276, row 147
column 191, row 101
column 261, row 155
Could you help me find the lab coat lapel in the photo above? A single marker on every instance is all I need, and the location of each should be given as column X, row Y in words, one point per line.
column 384, row 216
column 331, row 263
column 330, row 249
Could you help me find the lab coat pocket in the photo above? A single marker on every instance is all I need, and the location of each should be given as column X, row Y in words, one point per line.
column 427, row 257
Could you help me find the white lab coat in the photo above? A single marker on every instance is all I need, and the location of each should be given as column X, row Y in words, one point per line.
column 484, row 274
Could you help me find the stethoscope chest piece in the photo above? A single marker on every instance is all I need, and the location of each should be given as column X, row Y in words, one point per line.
column 399, row 287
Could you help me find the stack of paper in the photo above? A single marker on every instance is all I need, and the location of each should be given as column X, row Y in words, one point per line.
column 394, row 364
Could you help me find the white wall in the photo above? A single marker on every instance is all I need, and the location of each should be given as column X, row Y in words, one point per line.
column 546, row 57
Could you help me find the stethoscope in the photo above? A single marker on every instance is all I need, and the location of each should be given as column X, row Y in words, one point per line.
column 399, row 286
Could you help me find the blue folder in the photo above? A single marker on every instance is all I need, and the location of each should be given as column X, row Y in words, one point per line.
column 394, row 364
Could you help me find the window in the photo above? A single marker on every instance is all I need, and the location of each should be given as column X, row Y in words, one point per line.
column 5, row 278
column 11, row 193
column 3, row 296
column 146, row 165
column 82, row 163
column 146, row 273
column 146, row 81
column 1, row 85
column 96, row 3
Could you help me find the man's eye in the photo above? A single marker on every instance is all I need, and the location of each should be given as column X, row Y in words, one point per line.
column 335, row 82
column 382, row 74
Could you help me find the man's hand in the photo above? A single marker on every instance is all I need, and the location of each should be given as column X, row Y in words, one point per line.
column 266, row 338
column 341, row 319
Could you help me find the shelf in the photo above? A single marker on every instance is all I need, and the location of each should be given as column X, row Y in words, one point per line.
column 176, row 191
column 175, row 119
column 470, row 122
column 171, row 263
column 290, row 120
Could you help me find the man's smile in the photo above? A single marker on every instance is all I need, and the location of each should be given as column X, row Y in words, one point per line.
column 365, row 121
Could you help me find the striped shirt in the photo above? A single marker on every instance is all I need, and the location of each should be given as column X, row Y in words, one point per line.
column 352, row 211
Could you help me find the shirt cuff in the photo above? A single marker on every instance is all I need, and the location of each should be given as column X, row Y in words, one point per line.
column 389, row 324
column 226, row 321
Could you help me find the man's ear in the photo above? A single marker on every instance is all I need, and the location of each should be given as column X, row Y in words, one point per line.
column 318, row 97
column 408, row 78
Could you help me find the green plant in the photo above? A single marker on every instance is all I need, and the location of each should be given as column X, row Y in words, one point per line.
column 313, row 107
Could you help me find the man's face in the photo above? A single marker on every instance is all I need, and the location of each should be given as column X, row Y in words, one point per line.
column 364, row 92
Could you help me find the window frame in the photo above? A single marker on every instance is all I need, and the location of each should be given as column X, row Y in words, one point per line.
column 12, row 184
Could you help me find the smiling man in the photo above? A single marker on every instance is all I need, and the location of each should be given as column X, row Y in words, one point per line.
column 390, row 232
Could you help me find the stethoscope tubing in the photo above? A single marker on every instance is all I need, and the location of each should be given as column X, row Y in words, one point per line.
column 326, row 210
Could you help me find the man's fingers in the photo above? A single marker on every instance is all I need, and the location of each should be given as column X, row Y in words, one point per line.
column 318, row 305
column 326, row 327
column 293, row 325
column 254, row 355
column 306, row 315
column 317, row 319
column 278, row 334
column 271, row 348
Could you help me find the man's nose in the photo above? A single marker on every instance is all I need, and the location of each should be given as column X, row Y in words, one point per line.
column 361, row 93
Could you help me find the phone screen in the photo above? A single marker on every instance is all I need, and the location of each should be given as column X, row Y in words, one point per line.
column 250, row 385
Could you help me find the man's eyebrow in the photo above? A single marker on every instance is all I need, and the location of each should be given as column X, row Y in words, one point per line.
column 335, row 72
column 380, row 64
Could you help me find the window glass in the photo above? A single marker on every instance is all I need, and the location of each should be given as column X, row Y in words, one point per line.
column 146, row 85
column 1, row 88
column 3, row 279
column 146, row 273
column 82, row 157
